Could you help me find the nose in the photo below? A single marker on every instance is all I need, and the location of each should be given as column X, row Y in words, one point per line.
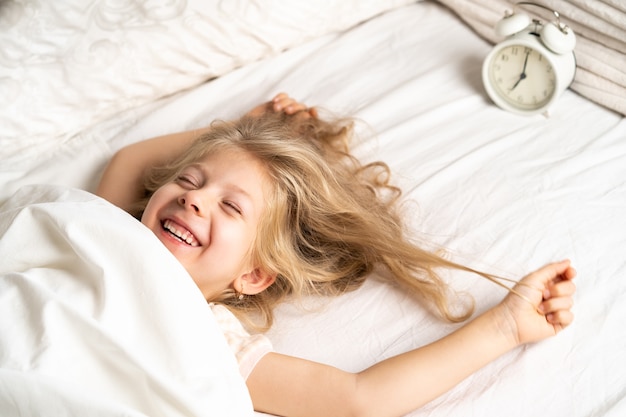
column 191, row 200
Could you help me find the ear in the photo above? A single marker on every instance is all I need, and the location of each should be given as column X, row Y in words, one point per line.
column 254, row 282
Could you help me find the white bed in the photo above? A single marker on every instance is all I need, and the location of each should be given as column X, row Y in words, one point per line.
column 501, row 192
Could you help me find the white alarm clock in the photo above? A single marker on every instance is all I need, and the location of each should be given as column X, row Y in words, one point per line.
column 532, row 66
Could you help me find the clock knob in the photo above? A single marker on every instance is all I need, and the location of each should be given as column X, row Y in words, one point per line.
column 511, row 24
column 558, row 38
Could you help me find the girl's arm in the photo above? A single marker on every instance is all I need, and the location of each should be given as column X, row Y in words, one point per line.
column 293, row 387
column 122, row 180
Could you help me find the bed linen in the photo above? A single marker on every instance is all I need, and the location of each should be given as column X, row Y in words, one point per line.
column 93, row 325
column 499, row 192
column 96, row 58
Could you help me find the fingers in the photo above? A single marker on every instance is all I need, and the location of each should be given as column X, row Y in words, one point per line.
column 559, row 288
column 558, row 293
column 549, row 295
column 285, row 104
column 553, row 271
column 556, row 304
column 288, row 105
column 560, row 318
column 570, row 273
column 545, row 277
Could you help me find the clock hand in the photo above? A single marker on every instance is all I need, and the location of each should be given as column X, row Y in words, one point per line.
column 522, row 76
column 525, row 62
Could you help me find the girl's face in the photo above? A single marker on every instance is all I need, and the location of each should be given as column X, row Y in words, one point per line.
column 208, row 217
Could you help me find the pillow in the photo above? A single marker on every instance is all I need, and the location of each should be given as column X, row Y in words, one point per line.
column 65, row 65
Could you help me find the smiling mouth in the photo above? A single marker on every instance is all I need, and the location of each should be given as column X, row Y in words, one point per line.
column 180, row 233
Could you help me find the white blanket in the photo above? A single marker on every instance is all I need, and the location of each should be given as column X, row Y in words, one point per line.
column 99, row 319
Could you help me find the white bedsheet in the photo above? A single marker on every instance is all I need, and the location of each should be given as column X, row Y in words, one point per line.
column 501, row 192
column 99, row 319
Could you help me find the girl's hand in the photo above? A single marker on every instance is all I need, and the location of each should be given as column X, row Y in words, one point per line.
column 286, row 104
column 542, row 308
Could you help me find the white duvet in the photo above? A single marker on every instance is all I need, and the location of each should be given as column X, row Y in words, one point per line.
column 99, row 319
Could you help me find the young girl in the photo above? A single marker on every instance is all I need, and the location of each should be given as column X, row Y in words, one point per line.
column 273, row 205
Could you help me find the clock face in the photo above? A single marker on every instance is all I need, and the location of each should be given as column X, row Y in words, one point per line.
column 522, row 77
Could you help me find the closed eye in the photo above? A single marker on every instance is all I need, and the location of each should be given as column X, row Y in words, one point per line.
column 187, row 181
column 232, row 206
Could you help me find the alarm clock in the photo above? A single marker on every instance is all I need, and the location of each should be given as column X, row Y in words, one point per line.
column 527, row 71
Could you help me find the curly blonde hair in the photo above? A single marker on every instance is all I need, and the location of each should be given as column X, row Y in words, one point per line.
column 329, row 221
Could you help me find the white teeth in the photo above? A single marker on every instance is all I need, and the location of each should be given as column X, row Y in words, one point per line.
column 182, row 234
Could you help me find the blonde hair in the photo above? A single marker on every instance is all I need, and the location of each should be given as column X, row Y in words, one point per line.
column 330, row 221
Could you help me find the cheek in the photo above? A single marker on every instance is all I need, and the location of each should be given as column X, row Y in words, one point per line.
column 149, row 214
